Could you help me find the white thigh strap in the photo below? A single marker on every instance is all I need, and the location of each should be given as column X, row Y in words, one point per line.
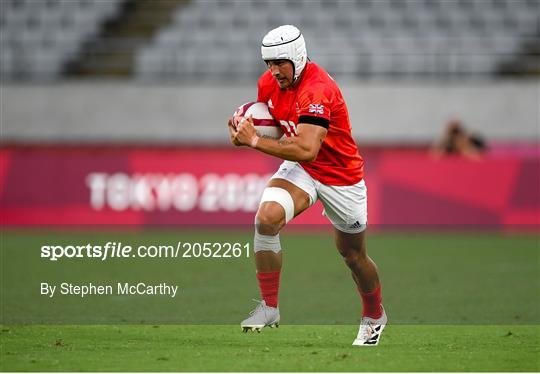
column 282, row 197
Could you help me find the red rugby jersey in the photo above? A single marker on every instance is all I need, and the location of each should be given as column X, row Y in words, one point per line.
column 317, row 95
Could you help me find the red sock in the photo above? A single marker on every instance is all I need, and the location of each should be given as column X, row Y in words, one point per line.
column 371, row 303
column 269, row 286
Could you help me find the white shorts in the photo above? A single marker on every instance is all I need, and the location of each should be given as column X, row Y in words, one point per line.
column 344, row 206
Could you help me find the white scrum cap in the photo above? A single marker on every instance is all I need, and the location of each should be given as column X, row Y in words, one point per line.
column 285, row 43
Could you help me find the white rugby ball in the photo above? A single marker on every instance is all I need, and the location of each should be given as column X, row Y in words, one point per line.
column 263, row 121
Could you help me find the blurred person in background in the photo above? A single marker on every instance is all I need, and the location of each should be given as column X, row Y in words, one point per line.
column 321, row 161
column 456, row 140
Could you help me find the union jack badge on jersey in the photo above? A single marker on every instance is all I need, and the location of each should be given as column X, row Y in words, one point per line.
column 316, row 108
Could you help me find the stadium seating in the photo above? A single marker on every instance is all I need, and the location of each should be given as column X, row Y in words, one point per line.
column 219, row 39
column 214, row 40
column 38, row 36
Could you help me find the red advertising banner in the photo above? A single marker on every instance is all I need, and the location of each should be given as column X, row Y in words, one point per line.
column 79, row 185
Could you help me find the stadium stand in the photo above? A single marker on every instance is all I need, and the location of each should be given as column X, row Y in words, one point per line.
column 39, row 36
column 218, row 40
column 112, row 53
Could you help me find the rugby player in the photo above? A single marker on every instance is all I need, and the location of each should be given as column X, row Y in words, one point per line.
column 321, row 161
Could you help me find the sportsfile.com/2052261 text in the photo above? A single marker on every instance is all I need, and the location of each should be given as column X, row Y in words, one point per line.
column 179, row 250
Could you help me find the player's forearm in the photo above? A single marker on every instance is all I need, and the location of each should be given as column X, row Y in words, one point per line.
column 292, row 149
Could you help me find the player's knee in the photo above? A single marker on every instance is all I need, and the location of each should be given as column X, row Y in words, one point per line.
column 351, row 258
column 275, row 210
column 270, row 218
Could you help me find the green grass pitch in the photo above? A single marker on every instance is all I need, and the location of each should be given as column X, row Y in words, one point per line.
column 288, row 348
column 456, row 302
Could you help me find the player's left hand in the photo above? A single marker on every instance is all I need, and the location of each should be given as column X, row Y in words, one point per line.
column 245, row 133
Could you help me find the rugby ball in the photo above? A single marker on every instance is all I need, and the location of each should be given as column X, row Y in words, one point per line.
column 263, row 121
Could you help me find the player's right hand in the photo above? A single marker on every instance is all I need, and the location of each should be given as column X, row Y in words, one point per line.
column 245, row 132
column 233, row 133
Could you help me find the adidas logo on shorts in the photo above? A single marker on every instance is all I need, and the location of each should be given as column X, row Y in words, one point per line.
column 356, row 225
